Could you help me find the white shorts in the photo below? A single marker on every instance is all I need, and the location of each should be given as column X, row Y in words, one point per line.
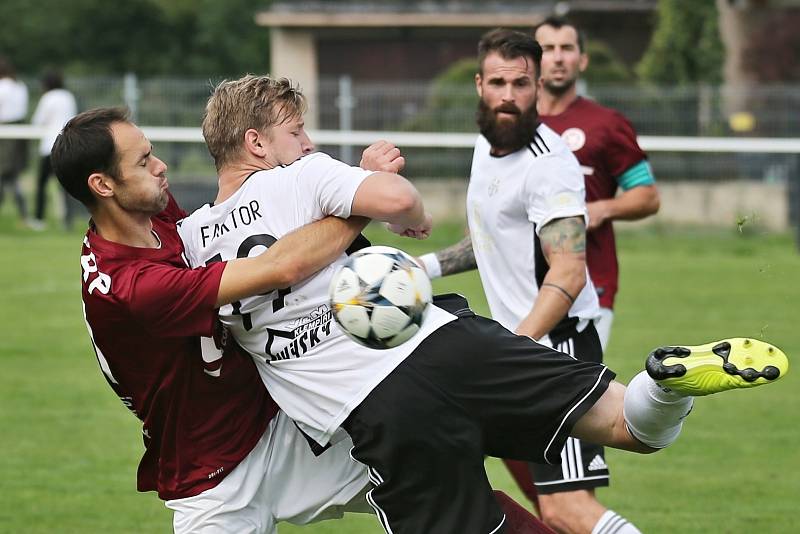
column 280, row 480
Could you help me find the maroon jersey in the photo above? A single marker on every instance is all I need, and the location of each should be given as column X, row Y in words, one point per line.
column 605, row 144
column 145, row 310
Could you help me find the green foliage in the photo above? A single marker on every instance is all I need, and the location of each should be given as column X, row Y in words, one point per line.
column 147, row 37
column 452, row 100
column 686, row 47
column 605, row 67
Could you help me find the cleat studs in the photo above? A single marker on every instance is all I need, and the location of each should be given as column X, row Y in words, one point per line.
column 746, row 343
column 749, row 374
column 771, row 372
column 770, row 350
column 729, row 368
column 723, row 350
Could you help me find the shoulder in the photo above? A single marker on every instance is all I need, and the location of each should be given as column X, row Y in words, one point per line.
column 588, row 105
column 607, row 115
column 314, row 160
column 552, row 164
column 547, row 144
column 61, row 95
column 193, row 219
column 311, row 166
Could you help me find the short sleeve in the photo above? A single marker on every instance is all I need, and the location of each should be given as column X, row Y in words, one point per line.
column 331, row 183
column 176, row 302
column 554, row 189
column 621, row 146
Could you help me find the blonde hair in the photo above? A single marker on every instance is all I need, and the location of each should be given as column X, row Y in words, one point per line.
column 257, row 102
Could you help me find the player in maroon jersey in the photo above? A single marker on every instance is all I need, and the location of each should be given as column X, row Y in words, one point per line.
column 605, row 144
column 203, row 413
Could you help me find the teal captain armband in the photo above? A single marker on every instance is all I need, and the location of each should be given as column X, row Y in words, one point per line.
column 639, row 174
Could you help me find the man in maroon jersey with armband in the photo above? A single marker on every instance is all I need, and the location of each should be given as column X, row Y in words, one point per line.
column 605, row 144
column 216, row 447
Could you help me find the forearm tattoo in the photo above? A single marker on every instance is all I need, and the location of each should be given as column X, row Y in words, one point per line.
column 564, row 236
column 457, row 258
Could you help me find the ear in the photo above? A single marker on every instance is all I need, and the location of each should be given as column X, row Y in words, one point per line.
column 101, row 185
column 584, row 62
column 254, row 143
column 478, row 87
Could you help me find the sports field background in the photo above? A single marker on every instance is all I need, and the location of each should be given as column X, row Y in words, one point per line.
column 69, row 449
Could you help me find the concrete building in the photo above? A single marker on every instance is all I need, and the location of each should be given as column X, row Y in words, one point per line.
column 415, row 40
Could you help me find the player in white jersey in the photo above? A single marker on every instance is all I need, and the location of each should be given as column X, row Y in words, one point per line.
column 422, row 415
column 510, row 199
column 527, row 221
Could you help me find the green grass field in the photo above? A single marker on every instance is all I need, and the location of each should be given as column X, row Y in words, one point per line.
column 70, row 449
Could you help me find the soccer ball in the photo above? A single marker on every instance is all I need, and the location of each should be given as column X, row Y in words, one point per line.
column 380, row 296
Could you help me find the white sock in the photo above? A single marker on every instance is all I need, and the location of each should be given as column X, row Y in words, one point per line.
column 613, row 523
column 654, row 416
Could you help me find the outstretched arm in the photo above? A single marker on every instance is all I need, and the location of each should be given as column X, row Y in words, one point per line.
column 564, row 247
column 451, row 260
column 291, row 259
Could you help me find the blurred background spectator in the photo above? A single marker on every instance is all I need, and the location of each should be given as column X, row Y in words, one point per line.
column 13, row 152
column 55, row 108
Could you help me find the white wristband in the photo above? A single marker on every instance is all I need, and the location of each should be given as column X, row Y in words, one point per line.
column 432, row 265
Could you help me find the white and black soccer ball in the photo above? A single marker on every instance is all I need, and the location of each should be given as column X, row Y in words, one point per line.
column 380, row 296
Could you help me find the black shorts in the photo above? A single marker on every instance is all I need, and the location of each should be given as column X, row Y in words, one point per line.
column 583, row 464
column 470, row 389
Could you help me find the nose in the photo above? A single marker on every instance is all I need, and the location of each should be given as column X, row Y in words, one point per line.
column 508, row 93
column 308, row 146
column 161, row 167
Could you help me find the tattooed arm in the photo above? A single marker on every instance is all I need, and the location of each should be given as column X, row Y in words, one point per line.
column 451, row 260
column 457, row 258
column 564, row 246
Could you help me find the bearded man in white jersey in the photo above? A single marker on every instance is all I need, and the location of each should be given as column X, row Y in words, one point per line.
column 527, row 237
column 422, row 415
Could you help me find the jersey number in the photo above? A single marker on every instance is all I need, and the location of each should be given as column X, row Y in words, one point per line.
column 247, row 245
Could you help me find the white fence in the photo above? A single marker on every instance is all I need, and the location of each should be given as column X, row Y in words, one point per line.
column 650, row 143
column 773, row 203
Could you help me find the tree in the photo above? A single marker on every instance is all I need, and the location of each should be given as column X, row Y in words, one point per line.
column 147, row 37
column 605, row 67
column 685, row 47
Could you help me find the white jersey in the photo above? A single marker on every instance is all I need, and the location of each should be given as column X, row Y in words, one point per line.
column 509, row 199
column 315, row 373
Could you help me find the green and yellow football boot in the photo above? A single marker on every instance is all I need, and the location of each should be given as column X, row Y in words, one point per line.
column 727, row 364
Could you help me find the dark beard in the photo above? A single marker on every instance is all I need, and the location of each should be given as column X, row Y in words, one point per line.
column 507, row 136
